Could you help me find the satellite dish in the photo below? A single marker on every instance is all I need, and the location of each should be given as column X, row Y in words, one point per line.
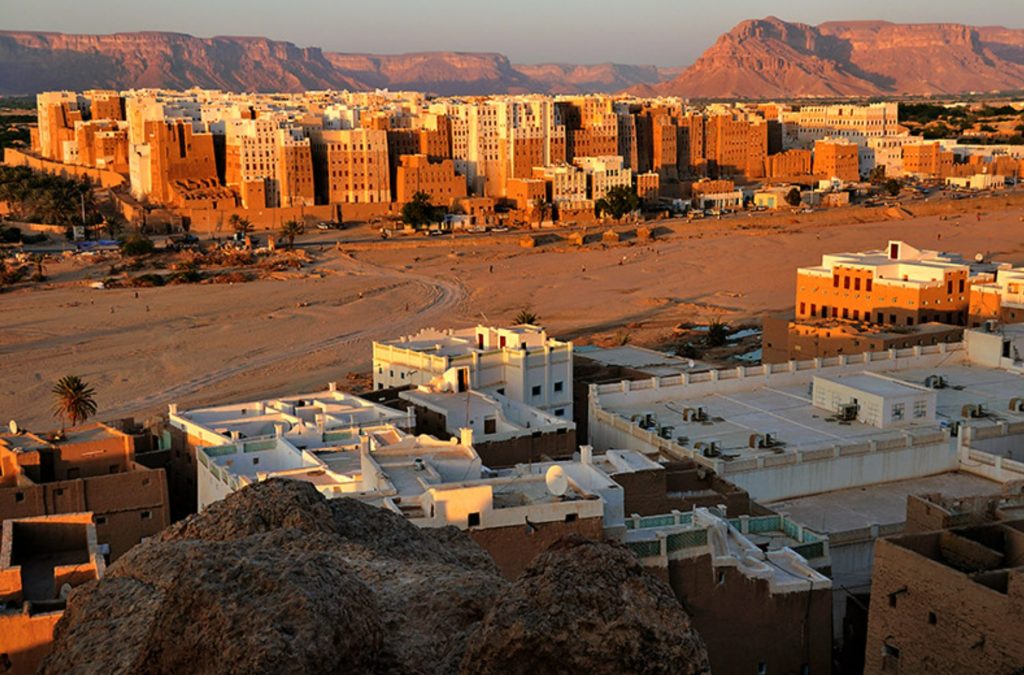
column 556, row 481
column 979, row 257
column 13, row 426
column 65, row 591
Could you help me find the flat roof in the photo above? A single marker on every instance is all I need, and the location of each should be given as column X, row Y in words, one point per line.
column 298, row 413
column 787, row 411
column 879, row 504
column 879, row 385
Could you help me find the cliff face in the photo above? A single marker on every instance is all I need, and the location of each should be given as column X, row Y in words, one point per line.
column 33, row 62
column 276, row 578
column 770, row 58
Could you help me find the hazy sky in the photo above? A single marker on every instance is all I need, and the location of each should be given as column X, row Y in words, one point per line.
column 663, row 32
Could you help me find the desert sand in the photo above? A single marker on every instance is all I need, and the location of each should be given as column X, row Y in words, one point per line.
column 202, row 344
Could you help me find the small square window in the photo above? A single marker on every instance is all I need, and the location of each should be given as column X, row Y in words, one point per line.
column 19, row 496
column 558, row 386
column 535, row 391
column 146, row 515
column 101, row 520
column 932, row 618
column 474, row 520
column 570, row 517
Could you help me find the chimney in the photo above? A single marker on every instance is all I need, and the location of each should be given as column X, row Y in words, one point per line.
column 332, row 386
column 278, row 430
column 235, row 435
column 587, row 454
column 466, row 437
column 321, row 423
column 172, row 408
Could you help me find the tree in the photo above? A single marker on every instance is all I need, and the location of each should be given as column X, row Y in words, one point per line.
column 877, row 174
column 526, row 316
column 292, row 229
column 240, row 225
column 418, row 212
column 73, row 400
column 617, row 202
column 793, row 197
column 892, row 186
column 136, row 245
column 718, row 333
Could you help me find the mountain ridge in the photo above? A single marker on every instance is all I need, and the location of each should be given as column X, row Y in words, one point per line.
column 756, row 59
column 33, row 61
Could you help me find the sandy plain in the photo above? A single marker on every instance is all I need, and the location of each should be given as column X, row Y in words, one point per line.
column 202, row 344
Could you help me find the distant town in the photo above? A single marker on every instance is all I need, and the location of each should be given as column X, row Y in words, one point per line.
column 832, row 486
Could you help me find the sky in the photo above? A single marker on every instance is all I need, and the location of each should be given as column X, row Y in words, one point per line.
column 659, row 32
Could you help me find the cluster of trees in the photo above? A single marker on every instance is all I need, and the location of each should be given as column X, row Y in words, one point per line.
column 618, row 202
column 419, row 212
column 38, row 197
column 937, row 121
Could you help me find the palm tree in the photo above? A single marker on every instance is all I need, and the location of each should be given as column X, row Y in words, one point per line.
column 290, row 230
column 73, row 400
column 240, row 225
column 526, row 316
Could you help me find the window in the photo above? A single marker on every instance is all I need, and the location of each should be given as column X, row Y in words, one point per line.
column 762, row 668
column 949, row 287
column 101, row 520
column 146, row 515
column 867, row 285
column 803, row 308
column 535, row 390
column 19, row 496
column 490, row 425
column 560, row 412
column 501, row 391
column 255, row 460
column 932, row 619
column 474, row 520
column 920, row 409
column 570, row 517
column 898, row 410
column 59, row 491
column 846, row 283
column 814, row 309
column 835, row 280
column 114, row 468
column 558, row 386
column 856, row 284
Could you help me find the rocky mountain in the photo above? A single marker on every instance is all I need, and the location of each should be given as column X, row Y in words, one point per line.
column 32, row 62
column 275, row 578
column 771, row 58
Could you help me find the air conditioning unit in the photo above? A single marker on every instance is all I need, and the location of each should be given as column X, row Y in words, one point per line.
column 847, row 412
column 1017, row 405
column 973, row 411
column 935, row 382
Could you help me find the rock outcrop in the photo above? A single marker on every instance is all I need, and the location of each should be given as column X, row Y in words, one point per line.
column 589, row 608
column 771, row 58
column 277, row 578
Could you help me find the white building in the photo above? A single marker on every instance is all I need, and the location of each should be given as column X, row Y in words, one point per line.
column 520, row 363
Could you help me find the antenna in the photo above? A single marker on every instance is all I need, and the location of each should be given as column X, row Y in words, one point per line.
column 556, row 481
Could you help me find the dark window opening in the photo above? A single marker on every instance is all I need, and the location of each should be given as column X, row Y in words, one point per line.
column 932, row 619
column 570, row 517
column 474, row 520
